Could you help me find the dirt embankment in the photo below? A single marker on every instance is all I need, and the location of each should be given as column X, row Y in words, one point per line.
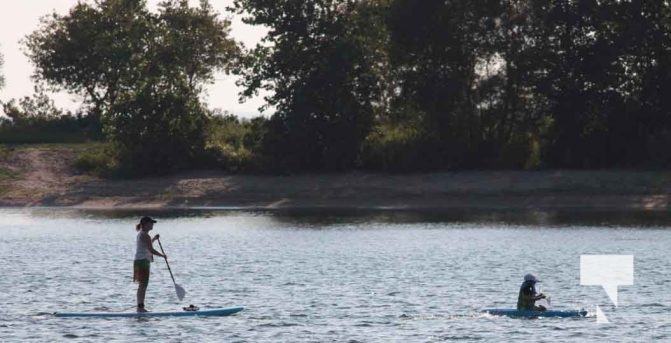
column 45, row 176
column 36, row 175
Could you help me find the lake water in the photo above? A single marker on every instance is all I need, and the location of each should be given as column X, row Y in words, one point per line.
column 329, row 276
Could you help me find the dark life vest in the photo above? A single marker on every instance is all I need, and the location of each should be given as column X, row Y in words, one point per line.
column 527, row 289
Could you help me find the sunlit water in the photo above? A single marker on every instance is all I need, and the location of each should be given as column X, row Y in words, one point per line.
column 343, row 277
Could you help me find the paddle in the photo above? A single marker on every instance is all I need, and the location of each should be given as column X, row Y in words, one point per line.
column 547, row 297
column 178, row 289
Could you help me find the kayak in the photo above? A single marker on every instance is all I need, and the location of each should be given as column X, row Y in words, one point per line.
column 511, row 312
column 213, row 312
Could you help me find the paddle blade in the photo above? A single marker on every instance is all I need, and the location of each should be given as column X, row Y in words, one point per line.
column 180, row 292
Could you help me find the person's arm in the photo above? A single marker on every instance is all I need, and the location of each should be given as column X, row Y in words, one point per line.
column 529, row 296
column 145, row 238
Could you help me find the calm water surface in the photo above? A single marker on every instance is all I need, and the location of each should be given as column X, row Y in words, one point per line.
column 329, row 277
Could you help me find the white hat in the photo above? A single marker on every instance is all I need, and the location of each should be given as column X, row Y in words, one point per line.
column 531, row 277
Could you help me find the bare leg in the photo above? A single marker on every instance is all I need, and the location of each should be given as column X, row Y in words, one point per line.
column 141, row 291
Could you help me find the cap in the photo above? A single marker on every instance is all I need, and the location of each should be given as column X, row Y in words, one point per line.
column 531, row 277
column 147, row 220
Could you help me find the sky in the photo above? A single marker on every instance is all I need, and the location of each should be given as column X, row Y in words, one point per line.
column 19, row 18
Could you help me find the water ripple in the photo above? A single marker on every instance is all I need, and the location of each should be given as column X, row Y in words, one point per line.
column 356, row 280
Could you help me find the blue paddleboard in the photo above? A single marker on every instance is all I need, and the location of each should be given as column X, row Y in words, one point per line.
column 213, row 312
column 510, row 312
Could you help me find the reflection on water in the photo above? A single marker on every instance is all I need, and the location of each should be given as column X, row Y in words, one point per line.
column 327, row 216
column 330, row 275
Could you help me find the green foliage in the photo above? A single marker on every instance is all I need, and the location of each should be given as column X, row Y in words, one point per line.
column 438, row 48
column 589, row 64
column 94, row 50
column 36, row 119
column 395, row 148
column 488, row 76
column 233, row 143
column 97, row 159
column 394, row 85
column 320, row 71
column 159, row 129
column 142, row 72
column 194, row 41
column 226, row 129
column 31, row 110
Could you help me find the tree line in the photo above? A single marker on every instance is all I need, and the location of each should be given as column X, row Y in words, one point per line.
column 393, row 85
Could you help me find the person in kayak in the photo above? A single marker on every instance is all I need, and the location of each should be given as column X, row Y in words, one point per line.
column 144, row 255
column 526, row 300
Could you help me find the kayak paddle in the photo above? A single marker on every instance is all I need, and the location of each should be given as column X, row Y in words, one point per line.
column 547, row 299
column 178, row 289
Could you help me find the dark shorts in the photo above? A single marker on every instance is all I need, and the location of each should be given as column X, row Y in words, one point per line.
column 141, row 271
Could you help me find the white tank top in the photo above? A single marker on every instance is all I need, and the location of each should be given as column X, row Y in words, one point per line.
column 141, row 251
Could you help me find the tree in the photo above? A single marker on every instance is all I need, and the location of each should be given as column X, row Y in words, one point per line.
column 646, row 65
column 437, row 47
column 158, row 129
column 195, row 42
column 320, row 69
column 142, row 72
column 590, row 58
column 96, row 51
column 161, row 124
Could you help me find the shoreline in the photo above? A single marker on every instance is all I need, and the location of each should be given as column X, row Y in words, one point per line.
column 38, row 176
column 101, row 195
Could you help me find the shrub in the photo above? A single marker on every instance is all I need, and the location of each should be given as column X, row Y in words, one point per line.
column 37, row 120
column 233, row 144
column 393, row 147
column 97, row 159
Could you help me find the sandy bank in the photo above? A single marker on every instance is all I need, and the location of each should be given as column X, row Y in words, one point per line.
column 44, row 176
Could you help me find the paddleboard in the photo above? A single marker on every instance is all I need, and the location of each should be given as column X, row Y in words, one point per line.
column 212, row 312
column 510, row 312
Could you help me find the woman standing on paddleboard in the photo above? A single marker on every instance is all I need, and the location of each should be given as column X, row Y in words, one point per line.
column 144, row 255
